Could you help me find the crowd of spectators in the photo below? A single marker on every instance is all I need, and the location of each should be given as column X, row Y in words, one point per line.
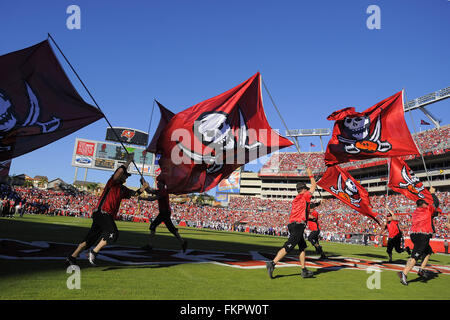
column 433, row 138
column 436, row 140
column 249, row 214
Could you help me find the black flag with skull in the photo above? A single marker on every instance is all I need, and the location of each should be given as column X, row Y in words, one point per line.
column 38, row 104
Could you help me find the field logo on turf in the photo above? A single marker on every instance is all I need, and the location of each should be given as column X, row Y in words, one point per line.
column 74, row 280
column 374, row 281
column 11, row 249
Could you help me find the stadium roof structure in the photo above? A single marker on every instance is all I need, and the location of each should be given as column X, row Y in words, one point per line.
column 296, row 133
column 421, row 102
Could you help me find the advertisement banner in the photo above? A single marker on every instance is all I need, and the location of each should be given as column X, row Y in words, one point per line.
column 100, row 155
column 85, row 148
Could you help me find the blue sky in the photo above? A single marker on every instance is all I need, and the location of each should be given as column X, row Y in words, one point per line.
column 315, row 57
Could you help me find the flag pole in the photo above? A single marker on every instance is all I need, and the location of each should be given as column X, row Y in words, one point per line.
column 145, row 154
column 285, row 125
column 387, row 183
column 417, row 145
column 148, row 133
column 279, row 114
column 95, row 102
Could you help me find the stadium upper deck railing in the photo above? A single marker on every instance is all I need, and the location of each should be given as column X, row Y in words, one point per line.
column 427, row 99
column 274, row 169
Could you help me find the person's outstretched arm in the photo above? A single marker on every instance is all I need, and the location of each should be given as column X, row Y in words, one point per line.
column 313, row 181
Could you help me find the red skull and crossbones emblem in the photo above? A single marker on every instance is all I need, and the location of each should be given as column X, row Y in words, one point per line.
column 357, row 136
column 349, row 192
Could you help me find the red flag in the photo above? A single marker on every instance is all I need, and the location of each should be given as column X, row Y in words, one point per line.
column 38, row 104
column 403, row 180
column 423, row 122
column 379, row 131
column 343, row 186
column 208, row 141
column 166, row 116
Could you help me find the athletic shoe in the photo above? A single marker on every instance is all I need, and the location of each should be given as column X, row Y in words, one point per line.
column 184, row 246
column 71, row 261
column 420, row 272
column 408, row 250
column 402, row 277
column 270, row 265
column 423, row 273
column 390, row 257
column 323, row 256
column 306, row 273
column 92, row 257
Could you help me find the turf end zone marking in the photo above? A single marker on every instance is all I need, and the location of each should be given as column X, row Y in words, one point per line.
column 41, row 250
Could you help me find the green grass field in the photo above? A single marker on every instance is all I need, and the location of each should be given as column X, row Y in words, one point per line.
column 46, row 279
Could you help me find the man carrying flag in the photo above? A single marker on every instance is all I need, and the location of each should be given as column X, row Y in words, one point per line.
column 395, row 235
column 103, row 230
column 313, row 226
column 421, row 233
column 165, row 212
column 297, row 224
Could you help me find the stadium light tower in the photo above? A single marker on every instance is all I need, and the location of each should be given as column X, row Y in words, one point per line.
column 296, row 133
column 421, row 102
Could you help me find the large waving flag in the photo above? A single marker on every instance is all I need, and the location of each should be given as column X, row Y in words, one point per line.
column 379, row 131
column 38, row 104
column 166, row 116
column 403, row 180
column 208, row 141
column 343, row 186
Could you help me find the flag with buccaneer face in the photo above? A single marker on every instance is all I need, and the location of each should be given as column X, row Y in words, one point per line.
column 379, row 131
column 38, row 104
column 343, row 186
column 403, row 180
column 205, row 143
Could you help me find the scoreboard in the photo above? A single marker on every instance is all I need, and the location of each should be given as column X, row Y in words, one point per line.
column 100, row 155
column 127, row 135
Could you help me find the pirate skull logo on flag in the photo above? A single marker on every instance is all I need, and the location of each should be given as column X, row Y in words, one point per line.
column 379, row 131
column 216, row 131
column 412, row 183
column 11, row 125
column 347, row 191
column 358, row 138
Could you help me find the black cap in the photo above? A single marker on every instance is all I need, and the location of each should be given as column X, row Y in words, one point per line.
column 301, row 185
column 124, row 170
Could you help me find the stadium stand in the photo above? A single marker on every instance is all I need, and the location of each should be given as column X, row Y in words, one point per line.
column 433, row 142
column 260, row 215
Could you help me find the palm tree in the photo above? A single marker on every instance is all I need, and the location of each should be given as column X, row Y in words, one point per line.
column 42, row 181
